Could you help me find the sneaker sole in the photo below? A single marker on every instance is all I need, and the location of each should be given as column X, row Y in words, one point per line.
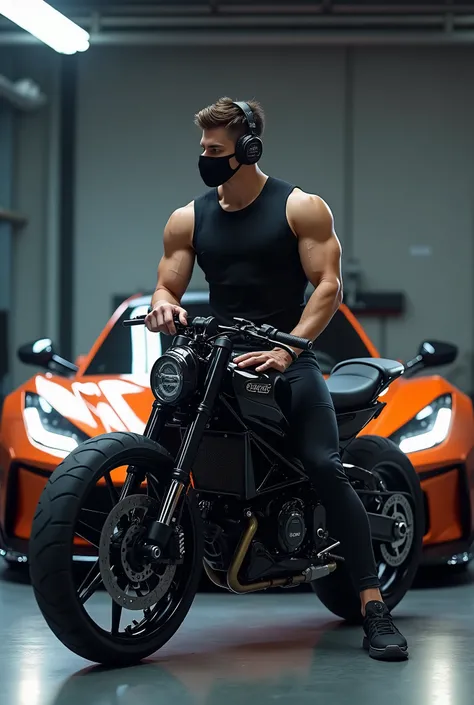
column 390, row 653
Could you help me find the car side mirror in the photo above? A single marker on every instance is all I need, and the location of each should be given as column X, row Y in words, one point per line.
column 435, row 353
column 41, row 353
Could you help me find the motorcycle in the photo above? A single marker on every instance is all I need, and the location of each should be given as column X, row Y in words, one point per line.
column 213, row 482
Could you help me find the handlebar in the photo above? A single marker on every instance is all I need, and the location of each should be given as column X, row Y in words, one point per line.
column 241, row 326
column 199, row 323
column 138, row 321
column 286, row 338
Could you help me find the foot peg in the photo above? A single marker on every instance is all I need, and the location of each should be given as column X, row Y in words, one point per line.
column 315, row 572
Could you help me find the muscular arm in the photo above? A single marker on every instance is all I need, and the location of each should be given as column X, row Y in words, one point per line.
column 320, row 253
column 176, row 265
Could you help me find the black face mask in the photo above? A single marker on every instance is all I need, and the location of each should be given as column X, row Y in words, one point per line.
column 215, row 171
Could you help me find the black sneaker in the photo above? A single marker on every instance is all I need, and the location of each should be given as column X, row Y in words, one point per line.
column 383, row 640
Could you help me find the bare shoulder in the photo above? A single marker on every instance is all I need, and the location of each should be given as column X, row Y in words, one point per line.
column 308, row 212
column 180, row 225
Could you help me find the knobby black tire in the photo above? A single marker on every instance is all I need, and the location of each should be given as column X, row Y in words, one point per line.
column 51, row 547
column 336, row 591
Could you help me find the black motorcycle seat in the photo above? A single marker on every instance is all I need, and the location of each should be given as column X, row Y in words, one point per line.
column 356, row 382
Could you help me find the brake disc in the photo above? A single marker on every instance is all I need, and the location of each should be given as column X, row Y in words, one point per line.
column 398, row 507
column 131, row 582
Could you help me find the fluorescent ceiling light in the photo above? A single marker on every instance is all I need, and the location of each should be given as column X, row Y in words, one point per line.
column 46, row 24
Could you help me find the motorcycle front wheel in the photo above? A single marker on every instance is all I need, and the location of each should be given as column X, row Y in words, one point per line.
column 80, row 515
column 397, row 564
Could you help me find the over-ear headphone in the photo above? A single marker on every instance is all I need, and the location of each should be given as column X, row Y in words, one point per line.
column 249, row 147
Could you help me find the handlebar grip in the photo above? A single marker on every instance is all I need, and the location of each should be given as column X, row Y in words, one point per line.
column 293, row 340
column 193, row 322
column 138, row 321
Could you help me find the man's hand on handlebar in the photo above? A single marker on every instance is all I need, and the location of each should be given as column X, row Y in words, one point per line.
column 160, row 320
column 166, row 317
column 276, row 359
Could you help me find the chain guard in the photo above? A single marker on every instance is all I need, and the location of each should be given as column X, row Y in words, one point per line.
column 116, row 570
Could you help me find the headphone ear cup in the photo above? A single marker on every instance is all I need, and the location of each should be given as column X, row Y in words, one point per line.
column 240, row 151
column 248, row 149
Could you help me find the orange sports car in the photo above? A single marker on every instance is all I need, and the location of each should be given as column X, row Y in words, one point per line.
column 108, row 390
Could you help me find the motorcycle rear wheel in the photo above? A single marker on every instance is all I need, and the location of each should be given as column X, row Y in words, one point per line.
column 336, row 591
column 52, row 549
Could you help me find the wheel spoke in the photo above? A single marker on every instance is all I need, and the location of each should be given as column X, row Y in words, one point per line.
column 94, row 511
column 91, row 534
column 114, row 495
column 116, row 614
column 139, row 626
column 129, row 484
column 89, row 526
column 153, row 486
column 84, row 538
column 90, row 583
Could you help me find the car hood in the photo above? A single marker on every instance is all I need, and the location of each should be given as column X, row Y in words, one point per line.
column 99, row 405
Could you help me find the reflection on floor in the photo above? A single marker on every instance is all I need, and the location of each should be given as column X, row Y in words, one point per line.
column 263, row 649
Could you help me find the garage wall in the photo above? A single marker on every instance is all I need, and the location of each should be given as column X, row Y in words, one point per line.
column 414, row 192
column 138, row 150
column 413, row 174
column 30, row 266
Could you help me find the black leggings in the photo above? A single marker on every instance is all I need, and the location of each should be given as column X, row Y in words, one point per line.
column 316, row 441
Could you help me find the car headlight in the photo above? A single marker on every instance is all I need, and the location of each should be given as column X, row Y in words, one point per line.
column 174, row 375
column 48, row 427
column 428, row 428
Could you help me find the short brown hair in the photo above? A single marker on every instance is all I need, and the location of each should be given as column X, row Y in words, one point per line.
column 223, row 113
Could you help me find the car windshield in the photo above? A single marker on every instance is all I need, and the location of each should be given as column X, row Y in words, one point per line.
column 133, row 350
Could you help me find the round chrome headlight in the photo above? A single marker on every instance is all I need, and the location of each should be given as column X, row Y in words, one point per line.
column 174, row 375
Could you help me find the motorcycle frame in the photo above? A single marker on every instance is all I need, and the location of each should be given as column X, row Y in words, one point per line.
column 160, row 531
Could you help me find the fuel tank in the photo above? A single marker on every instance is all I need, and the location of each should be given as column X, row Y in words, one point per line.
column 263, row 398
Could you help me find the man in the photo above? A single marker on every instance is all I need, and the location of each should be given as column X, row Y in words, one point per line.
column 259, row 240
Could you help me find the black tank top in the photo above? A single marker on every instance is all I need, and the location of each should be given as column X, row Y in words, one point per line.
column 250, row 258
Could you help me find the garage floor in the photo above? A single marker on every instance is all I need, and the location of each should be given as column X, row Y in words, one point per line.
column 282, row 647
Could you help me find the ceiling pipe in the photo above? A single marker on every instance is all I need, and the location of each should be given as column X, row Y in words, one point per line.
column 271, row 38
column 322, row 7
column 219, row 22
column 307, row 29
column 131, row 23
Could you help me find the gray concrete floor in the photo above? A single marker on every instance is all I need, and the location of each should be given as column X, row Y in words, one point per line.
column 264, row 648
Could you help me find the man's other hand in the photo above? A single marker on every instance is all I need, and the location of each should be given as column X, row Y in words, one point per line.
column 277, row 359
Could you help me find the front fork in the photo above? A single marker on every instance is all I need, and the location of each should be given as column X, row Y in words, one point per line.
column 161, row 529
column 155, row 424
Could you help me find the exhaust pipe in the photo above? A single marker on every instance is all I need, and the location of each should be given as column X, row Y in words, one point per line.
column 233, row 582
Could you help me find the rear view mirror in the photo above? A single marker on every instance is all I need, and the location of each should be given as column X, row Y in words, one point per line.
column 435, row 353
column 39, row 353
